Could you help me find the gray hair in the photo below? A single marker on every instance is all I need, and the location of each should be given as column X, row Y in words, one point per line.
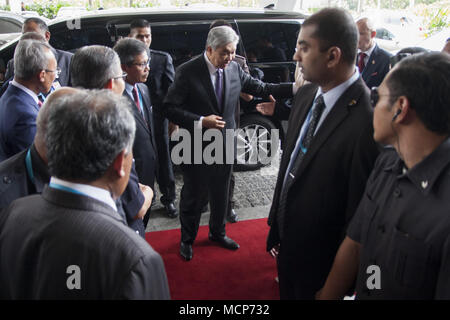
column 221, row 36
column 128, row 49
column 86, row 132
column 30, row 58
column 92, row 67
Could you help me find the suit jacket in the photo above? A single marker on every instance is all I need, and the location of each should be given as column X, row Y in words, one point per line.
column 160, row 77
column 15, row 182
column 192, row 94
column 18, row 112
column 377, row 67
column 69, row 230
column 144, row 147
column 327, row 186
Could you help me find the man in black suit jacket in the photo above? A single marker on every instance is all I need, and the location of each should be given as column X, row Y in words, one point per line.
column 135, row 63
column 160, row 78
column 63, row 58
column 77, row 246
column 328, row 155
column 204, row 96
column 373, row 61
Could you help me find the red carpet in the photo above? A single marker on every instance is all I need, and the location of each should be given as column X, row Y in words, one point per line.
column 216, row 273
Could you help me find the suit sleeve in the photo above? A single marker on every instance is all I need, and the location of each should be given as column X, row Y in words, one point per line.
column 260, row 89
column 23, row 132
column 146, row 280
column 132, row 198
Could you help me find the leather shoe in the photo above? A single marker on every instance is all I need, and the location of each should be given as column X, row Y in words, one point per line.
column 171, row 210
column 225, row 242
column 186, row 251
column 232, row 216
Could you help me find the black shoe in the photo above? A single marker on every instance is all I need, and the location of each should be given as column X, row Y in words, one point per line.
column 232, row 216
column 186, row 251
column 171, row 210
column 225, row 242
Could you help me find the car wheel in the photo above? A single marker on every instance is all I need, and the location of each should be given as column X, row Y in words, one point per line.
column 257, row 142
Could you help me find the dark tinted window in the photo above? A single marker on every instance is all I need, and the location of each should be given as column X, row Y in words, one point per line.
column 270, row 41
column 70, row 40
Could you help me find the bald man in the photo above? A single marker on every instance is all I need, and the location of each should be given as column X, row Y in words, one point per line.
column 372, row 61
column 26, row 172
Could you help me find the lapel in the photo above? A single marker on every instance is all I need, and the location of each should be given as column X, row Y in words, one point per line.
column 226, row 86
column 207, row 84
column 339, row 112
column 137, row 115
column 147, row 105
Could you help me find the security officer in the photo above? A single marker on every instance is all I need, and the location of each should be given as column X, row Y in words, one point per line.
column 398, row 243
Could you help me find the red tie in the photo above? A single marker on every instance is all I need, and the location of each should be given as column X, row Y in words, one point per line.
column 361, row 58
column 136, row 99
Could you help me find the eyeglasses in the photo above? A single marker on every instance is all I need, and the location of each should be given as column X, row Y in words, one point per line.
column 57, row 71
column 142, row 65
column 375, row 96
column 123, row 76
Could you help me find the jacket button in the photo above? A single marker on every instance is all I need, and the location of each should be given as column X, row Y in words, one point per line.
column 397, row 193
column 7, row 180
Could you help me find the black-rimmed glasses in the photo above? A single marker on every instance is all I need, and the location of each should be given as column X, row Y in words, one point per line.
column 375, row 96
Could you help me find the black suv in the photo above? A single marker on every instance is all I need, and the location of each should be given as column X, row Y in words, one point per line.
column 268, row 40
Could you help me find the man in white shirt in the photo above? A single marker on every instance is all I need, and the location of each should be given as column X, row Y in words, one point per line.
column 36, row 69
column 372, row 61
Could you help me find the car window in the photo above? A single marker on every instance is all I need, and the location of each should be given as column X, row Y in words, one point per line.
column 70, row 40
column 7, row 26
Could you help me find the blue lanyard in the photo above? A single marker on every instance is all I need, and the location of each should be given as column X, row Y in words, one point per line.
column 29, row 166
column 64, row 188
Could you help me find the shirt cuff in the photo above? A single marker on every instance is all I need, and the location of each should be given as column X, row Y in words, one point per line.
column 200, row 123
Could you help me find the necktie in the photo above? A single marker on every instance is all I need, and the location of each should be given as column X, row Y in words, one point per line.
column 219, row 87
column 361, row 58
column 297, row 156
column 39, row 104
column 136, row 99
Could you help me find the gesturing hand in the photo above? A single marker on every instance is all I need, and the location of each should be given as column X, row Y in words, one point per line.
column 213, row 122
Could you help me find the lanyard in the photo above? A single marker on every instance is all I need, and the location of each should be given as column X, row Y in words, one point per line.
column 64, row 188
column 29, row 166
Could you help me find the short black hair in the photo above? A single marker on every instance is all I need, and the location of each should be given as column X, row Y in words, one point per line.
column 128, row 48
column 139, row 23
column 335, row 27
column 41, row 23
column 423, row 79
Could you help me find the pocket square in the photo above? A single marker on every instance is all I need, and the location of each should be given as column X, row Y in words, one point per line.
column 374, row 74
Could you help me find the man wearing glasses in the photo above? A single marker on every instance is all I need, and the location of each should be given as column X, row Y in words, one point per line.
column 35, row 70
column 135, row 63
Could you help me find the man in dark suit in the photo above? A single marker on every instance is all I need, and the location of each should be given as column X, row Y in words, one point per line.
column 98, row 67
column 77, row 246
column 372, row 61
column 63, row 58
column 204, row 96
column 35, row 72
column 158, row 82
column 329, row 153
column 135, row 63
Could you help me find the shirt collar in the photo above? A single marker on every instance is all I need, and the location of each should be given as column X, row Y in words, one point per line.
column 129, row 88
column 22, row 87
column 331, row 96
column 212, row 70
column 425, row 174
column 90, row 191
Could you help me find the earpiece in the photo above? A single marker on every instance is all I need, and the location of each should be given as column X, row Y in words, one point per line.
column 396, row 114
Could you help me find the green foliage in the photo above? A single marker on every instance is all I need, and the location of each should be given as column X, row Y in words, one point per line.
column 5, row 8
column 48, row 10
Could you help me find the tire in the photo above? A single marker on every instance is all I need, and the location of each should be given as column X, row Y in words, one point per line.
column 255, row 130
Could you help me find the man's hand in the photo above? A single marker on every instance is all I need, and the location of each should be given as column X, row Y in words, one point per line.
column 148, row 195
column 172, row 128
column 275, row 251
column 213, row 122
column 267, row 108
